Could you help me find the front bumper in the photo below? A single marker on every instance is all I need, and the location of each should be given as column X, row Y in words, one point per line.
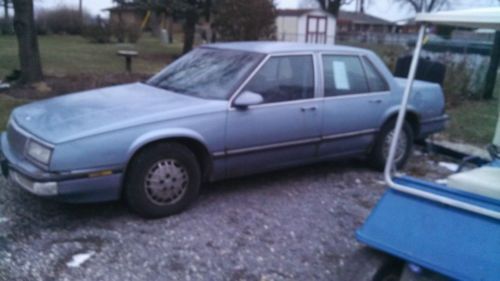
column 96, row 185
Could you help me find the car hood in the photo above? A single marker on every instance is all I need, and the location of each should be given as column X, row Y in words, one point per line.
column 96, row 111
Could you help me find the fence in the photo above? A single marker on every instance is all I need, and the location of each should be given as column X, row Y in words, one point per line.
column 355, row 37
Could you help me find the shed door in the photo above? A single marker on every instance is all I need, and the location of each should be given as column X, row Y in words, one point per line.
column 316, row 29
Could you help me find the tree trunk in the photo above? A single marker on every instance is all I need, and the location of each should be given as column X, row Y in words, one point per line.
column 6, row 24
column 189, row 30
column 491, row 75
column 29, row 55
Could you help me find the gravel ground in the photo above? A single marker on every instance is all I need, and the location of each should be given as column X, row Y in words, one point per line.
column 296, row 224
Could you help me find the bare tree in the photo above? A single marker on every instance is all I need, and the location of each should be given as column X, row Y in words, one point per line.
column 29, row 55
column 418, row 5
column 6, row 27
column 333, row 6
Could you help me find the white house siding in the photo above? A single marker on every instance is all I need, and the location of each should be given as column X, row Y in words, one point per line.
column 293, row 28
column 286, row 27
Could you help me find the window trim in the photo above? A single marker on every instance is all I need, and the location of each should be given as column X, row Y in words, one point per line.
column 364, row 61
column 262, row 63
column 322, row 55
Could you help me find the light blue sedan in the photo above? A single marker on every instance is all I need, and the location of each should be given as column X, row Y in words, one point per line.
column 223, row 110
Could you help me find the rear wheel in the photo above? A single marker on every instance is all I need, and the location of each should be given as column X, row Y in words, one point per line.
column 162, row 180
column 380, row 151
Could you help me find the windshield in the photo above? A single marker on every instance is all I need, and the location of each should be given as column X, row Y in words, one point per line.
column 206, row 73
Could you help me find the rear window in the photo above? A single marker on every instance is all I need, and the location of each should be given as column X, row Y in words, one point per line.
column 344, row 75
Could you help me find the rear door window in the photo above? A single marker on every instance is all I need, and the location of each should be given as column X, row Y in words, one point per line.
column 344, row 75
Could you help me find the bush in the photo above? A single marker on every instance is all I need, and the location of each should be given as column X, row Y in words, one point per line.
column 130, row 32
column 236, row 20
column 61, row 20
column 98, row 32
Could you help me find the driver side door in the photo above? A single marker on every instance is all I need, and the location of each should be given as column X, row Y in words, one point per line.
column 283, row 130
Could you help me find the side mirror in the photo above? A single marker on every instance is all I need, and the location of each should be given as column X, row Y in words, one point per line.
column 247, row 99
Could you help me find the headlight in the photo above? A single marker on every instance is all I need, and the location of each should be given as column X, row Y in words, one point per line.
column 38, row 152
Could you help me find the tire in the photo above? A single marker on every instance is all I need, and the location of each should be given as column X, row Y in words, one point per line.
column 378, row 156
column 162, row 180
column 369, row 265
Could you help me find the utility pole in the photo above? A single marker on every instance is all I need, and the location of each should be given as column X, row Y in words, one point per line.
column 360, row 6
column 80, row 12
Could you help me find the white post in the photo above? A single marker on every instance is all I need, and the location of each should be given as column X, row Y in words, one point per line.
column 389, row 165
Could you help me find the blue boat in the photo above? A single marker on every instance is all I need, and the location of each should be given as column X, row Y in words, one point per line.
column 452, row 230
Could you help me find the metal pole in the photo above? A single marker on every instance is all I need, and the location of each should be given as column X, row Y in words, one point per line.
column 389, row 165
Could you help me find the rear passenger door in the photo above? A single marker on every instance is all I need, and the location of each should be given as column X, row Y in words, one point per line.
column 355, row 98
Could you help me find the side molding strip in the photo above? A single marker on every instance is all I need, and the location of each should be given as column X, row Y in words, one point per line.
column 231, row 152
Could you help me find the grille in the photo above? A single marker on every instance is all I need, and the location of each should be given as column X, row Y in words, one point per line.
column 17, row 141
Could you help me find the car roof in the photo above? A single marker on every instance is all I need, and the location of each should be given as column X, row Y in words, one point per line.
column 272, row 47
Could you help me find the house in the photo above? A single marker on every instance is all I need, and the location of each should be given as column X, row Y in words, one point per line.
column 305, row 25
column 355, row 22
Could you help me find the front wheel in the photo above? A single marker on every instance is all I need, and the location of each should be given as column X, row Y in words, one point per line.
column 162, row 180
column 380, row 151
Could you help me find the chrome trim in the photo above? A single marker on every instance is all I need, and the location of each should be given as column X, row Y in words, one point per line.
column 317, row 140
column 271, row 146
column 349, row 134
column 219, row 154
column 435, row 119
column 386, row 93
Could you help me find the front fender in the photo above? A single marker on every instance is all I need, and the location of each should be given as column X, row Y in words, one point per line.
column 162, row 134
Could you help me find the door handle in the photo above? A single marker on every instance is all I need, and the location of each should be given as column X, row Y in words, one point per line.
column 375, row 101
column 308, row 108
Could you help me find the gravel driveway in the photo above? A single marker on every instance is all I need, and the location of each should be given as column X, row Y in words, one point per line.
column 296, row 224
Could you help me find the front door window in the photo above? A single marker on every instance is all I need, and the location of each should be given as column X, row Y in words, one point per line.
column 284, row 78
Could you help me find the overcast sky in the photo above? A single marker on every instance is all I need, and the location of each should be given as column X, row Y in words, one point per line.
column 380, row 8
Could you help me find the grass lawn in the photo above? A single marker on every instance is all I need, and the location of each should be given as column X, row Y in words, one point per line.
column 473, row 122
column 6, row 105
column 64, row 54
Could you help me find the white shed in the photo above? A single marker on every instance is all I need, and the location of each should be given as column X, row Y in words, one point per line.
column 305, row 25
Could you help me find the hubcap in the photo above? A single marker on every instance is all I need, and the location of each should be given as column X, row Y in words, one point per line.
column 166, row 182
column 400, row 147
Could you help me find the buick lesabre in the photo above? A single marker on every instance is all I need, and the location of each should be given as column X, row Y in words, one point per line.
column 222, row 110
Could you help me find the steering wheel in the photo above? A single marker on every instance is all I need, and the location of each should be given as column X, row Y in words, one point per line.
column 494, row 151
